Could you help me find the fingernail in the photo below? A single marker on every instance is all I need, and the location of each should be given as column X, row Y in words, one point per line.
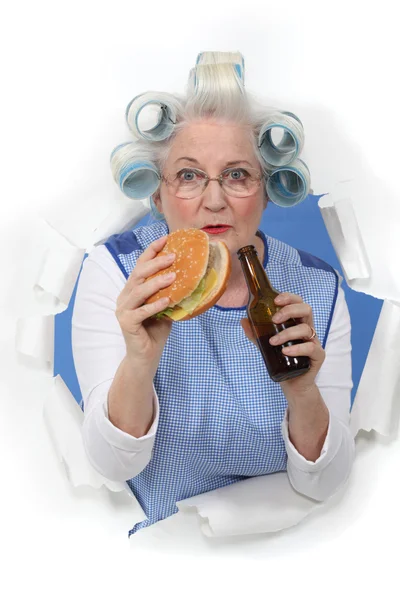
column 169, row 276
column 274, row 340
column 170, row 256
column 277, row 318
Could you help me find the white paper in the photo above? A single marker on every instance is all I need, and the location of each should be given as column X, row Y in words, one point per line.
column 366, row 241
column 352, row 229
column 51, row 276
column 54, row 270
column 35, row 337
column 64, row 420
column 257, row 505
column 76, row 212
column 59, row 271
column 123, row 217
column 341, row 224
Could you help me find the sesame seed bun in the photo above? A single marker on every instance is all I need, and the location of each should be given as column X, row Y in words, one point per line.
column 195, row 256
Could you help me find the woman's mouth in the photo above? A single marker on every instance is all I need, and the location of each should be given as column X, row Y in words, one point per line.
column 216, row 229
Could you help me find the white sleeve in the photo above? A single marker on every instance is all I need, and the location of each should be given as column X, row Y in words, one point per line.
column 321, row 479
column 98, row 347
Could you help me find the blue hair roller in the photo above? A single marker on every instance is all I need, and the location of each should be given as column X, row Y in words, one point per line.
column 289, row 185
column 139, row 180
column 210, row 58
column 135, row 177
column 291, row 143
column 166, row 117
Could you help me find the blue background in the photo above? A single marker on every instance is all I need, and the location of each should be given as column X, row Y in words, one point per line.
column 301, row 226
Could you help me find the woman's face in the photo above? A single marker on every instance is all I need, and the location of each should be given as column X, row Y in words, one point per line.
column 212, row 145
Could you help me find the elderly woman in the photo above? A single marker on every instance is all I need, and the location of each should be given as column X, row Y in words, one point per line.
column 178, row 409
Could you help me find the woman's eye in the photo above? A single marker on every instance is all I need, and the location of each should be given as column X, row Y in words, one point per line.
column 237, row 173
column 187, row 175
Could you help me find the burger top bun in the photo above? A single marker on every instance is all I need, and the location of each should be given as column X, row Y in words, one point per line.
column 190, row 264
column 195, row 257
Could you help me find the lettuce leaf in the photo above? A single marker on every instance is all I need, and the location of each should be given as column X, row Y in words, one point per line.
column 188, row 304
column 167, row 312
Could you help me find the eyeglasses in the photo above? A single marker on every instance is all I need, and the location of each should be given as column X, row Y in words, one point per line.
column 191, row 183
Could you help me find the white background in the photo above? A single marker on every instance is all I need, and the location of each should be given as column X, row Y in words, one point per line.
column 68, row 71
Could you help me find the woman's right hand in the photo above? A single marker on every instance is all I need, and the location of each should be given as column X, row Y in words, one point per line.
column 145, row 338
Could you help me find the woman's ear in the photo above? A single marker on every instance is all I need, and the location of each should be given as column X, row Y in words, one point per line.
column 157, row 201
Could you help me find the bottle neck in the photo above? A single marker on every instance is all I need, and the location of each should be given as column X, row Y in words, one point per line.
column 256, row 278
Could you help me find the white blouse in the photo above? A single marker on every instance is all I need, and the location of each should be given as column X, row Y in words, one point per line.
column 98, row 348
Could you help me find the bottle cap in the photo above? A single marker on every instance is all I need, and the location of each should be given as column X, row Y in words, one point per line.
column 246, row 249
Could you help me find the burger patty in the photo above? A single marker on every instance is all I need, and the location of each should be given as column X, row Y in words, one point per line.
column 211, row 259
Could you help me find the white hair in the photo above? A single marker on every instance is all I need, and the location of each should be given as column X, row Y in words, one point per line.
column 215, row 91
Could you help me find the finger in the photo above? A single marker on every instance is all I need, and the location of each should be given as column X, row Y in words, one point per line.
column 297, row 332
column 152, row 250
column 131, row 320
column 313, row 351
column 138, row 296
column 155, row 252
column 160, row 265
column 150, row 310
column 288, row 298
column 149, row 254
column 294, row 311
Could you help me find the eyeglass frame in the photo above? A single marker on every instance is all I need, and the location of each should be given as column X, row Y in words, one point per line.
column 259, row 178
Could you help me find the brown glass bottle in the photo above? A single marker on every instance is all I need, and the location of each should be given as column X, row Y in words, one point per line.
column 260, row 310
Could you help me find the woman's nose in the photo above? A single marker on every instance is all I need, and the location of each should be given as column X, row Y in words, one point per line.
column 214, row 197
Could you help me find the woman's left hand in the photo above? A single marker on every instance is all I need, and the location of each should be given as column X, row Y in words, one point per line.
column 292, row 306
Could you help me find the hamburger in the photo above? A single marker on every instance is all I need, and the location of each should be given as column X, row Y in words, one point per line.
column 202, row 271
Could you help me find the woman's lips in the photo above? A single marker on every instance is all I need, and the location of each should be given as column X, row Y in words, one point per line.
column 216, row 230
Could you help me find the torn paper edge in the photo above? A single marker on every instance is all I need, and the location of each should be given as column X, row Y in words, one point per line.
column 57, row 273
column 35, row 337
column 254, row 506
column 342, row 226
column 64, row 419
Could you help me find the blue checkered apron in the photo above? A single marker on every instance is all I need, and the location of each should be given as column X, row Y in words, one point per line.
column 220, row 413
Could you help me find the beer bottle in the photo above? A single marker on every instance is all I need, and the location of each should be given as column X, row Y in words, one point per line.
column 260, row 310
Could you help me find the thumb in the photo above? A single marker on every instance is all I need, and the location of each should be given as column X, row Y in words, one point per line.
column 248, row 330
